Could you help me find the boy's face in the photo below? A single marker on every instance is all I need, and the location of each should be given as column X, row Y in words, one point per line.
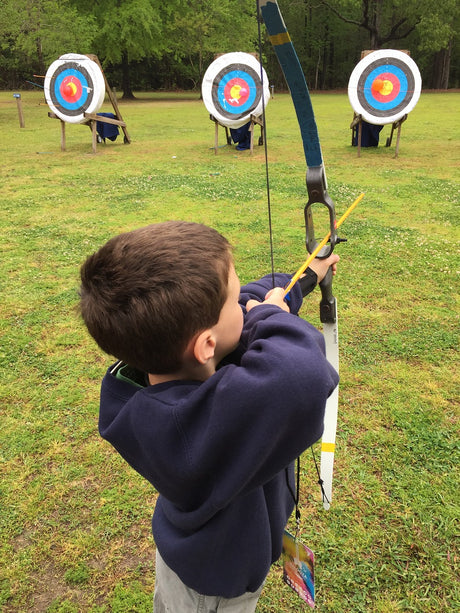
column 230, row 325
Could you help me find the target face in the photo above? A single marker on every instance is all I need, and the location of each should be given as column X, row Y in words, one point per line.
column 384, row 86
column 74, row 85
column 232, row 89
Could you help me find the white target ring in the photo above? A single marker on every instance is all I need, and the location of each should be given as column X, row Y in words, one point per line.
column 233, row 89
column 74, row 85
column 384, row 86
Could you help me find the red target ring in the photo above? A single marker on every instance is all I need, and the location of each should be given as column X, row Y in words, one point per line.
column 385, row 88
column 71, row 89
column 236, row 91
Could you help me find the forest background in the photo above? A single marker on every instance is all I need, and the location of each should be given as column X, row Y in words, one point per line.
column 155, row 45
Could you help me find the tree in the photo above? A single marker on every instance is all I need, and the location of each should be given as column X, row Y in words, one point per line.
column 436, row 35
column 34, row 33
column 170, row 44
column 325, row 48
column 206, row 27
column 129, row 30
column 431, row 25
column 383, row 22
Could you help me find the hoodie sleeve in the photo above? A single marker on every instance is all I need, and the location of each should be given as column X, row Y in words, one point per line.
column 259, row 416
column 257, row 290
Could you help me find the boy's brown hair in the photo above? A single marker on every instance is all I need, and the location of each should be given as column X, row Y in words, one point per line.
column 146, row 293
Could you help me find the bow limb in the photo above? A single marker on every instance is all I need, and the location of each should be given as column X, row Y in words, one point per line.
column 295, row 78
column 317, row 194
column 328, row 316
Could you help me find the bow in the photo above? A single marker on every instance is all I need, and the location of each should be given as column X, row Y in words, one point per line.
column 317, row 194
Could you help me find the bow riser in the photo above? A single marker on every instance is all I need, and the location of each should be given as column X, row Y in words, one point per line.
column 317, row 194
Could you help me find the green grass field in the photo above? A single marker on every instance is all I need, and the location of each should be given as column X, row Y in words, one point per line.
column 75, row 520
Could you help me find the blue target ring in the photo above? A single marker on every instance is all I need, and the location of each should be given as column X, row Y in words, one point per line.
column 230, row 105
column 397, row 75
column 80, row 77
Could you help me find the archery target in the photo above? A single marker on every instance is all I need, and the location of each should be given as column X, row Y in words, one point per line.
column 74, row 85
column 232, row 89
column 384, row 86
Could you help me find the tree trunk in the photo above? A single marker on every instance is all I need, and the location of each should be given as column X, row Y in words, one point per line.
column 41, row 62
column 447, row 53
column 441, row 68
column 374, row 8
column 126, row 79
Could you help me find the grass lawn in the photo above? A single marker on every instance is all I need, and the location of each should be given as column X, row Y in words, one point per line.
column 75, row 519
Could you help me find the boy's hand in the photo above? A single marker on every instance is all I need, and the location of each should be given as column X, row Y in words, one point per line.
column 274, row 296
column 320, row 267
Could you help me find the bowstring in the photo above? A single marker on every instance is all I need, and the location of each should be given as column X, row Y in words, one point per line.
column 296, row 496
column 264, row 123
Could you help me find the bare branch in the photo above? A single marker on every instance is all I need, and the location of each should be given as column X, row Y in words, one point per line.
column 340, row 16
column 393, row 36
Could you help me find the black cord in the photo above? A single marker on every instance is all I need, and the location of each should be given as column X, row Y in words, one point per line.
column 320, row 481
column 296, row 496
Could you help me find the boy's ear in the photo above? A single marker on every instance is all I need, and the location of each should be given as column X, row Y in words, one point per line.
column 204, row 346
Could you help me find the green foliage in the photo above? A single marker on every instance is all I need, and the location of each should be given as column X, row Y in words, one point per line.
column 164, row 45
column 42, row 30
column 134, row 27
column 78, row 574
column 62, row 606
column 75, row 521
column 132, row 598
column 201, row 29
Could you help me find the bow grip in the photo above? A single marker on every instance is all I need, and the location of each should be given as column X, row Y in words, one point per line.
column 328, row 304
column 317, row 194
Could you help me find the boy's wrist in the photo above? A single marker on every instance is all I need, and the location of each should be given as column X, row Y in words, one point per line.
column 308, row 281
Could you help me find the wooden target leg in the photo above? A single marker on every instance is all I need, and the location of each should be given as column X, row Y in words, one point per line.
column 356, row 130
column 400, row 122
column 390, row 138
column 397, row 140
column 113, row 99
column 94, row 135
column 62, row 135
column 216, row 137
column 360, row 133
column 20, row 111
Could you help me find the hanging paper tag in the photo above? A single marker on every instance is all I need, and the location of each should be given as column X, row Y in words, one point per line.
column 298, row 568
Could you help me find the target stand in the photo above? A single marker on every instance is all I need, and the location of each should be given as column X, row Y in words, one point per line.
column 254, row 121
column 383, row 88
column 75, row 87
column 356, row 132
column 235, row 91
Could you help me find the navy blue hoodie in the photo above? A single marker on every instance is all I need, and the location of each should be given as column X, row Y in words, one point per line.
column 219, row 452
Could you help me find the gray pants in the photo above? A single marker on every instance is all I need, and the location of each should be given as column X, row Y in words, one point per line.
column 172, row 596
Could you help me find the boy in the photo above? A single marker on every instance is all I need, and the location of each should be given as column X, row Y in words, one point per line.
column 225, row 388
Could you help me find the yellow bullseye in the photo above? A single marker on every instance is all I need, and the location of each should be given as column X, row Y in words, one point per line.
column 235, row 92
